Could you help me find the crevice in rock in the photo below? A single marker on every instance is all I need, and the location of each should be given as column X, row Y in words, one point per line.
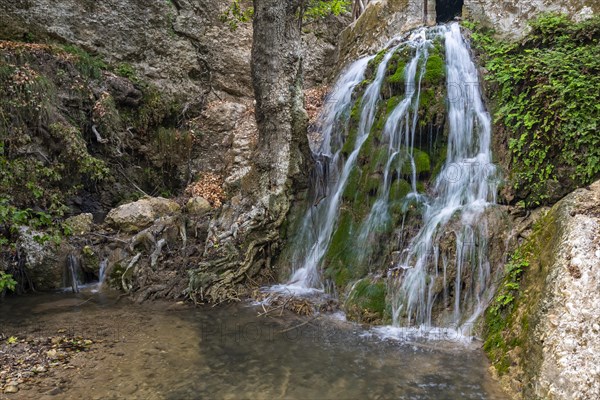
column 447, row 10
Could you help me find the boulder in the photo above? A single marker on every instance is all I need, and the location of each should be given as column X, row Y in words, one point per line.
column 198, row 206
column 80, row 224
column 133, row 217
column 44, row 261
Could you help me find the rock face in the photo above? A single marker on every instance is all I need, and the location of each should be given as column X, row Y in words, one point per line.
column 198, row 206
column 133, row 217
column 386, row 19
column 548, row 346
column 80, row 224
column 179, row 45
column 381, row 21
column 509, row 17
column 570, row 306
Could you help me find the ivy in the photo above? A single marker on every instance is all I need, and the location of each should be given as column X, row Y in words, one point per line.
column 547, row 92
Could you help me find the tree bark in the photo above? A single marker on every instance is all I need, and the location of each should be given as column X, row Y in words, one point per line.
column 246, row 235
column 277, row 80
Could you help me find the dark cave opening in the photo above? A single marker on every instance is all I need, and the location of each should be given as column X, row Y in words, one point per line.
column 446, row 10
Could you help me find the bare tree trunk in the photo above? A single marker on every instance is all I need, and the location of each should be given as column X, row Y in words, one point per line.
column 246, row 235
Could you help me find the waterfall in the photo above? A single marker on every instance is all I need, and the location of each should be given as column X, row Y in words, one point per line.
column 464, row 188
column 72, row 274
column 320, row 219
column 426, row 284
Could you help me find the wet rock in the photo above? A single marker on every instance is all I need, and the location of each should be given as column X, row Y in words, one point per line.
column 198, row 206
column 81, row 224
column 133, row 217
column 561, row 302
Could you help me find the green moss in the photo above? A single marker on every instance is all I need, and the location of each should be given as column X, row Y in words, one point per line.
column 512, row 315
column 399, row 190
column 374, row 63
column 340, row 253
column 89, row 65
column 398, row 76
column 422, row 163
column 356, row 110
column 372, row 184
column 440, row 158
column 350, row 142
column 366, row 301
column 392, row 103
column 352, row 184
column 434, row 69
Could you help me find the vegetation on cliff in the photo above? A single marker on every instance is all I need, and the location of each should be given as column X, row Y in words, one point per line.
column 77, row 137
column 546, row 94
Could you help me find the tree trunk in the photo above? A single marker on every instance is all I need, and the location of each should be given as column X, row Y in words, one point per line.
column 244, row 238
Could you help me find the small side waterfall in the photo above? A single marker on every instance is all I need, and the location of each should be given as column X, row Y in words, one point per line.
column 332, row 170
column 403, row 180
column 72, row 275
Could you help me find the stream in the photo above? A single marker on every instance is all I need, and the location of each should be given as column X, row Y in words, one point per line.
column 178, row 351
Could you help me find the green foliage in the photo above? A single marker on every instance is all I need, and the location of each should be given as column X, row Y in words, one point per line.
column 127, row 71
column 90, row 66
column 510, row 287
column 317, row 9
column 548, row 96
column 241, row 12
column 7, row 282
column 74, row 156
column 237, row 14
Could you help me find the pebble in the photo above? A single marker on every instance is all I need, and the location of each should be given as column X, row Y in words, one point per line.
column 54, row 391
column 11, row 388
column 38, row 369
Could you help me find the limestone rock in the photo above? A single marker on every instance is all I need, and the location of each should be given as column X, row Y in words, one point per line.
column 386, row 19
column 133, row 217
column 198, row 206
column 80, row 224
column 43, row 260
column 11, row 388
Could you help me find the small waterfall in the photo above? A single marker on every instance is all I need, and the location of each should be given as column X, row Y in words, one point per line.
column 72, row 274
column 332, row 174
column 463, row 190
column 384, row 139
column 101, row 275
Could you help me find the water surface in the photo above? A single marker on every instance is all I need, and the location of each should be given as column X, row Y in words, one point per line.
column 176, row 351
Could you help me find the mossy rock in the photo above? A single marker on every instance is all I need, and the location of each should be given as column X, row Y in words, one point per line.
column 422, row 163
column 435, row 69
column 366, row 302
column 399, row 190
column 339, row 254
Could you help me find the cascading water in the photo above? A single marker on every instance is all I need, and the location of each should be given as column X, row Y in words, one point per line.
column 465, row 186
column 390, row 129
